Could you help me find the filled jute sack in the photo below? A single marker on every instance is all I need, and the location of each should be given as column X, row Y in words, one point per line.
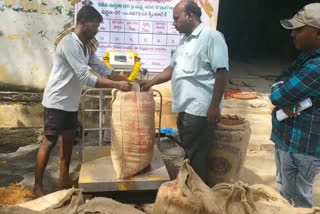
column 70, row 201
column 229, row 149
column 64, row 201
column 187, row 194
column 256, row 199
column 132, row 131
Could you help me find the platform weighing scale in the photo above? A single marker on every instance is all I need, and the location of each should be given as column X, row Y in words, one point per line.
column 97, row 172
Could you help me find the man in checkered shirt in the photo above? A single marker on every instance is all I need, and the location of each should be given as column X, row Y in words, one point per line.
column 297, row 138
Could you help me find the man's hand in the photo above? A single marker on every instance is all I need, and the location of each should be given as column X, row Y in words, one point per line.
column 124, row 85
column 292, row 111
column 214, row 112
column 115, row 76
column 146, row 85
column 214, row 115
column 164, row 76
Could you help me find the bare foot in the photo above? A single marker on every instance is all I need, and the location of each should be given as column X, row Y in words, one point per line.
column 37, row 192
column 68, row 183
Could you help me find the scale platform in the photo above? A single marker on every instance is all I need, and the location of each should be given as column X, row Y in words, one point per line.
column 97, row 173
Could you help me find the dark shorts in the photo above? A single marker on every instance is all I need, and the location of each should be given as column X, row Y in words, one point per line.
column 57, row 121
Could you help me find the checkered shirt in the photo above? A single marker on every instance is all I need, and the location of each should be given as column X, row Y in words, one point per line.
column 302, row 80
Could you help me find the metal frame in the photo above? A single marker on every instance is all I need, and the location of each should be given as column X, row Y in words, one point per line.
column 102, row 108
column 97, row 172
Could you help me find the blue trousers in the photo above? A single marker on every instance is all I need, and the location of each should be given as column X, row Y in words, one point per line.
column 295, row 176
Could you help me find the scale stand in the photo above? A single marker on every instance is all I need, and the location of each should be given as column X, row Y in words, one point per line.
column 97, row 172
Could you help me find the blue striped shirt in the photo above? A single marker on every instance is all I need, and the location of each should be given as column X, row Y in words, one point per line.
column 302, row 133
column 195, row 61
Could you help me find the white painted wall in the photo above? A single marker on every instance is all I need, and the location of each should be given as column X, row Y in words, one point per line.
column 211, row 8
column 27, row 34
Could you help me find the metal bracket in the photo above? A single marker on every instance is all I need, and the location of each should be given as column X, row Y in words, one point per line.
column 103, row 110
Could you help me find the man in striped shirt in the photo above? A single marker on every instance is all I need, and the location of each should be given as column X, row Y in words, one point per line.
column 198, row 75
column 297, row 138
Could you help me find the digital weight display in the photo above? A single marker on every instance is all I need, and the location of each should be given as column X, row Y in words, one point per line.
column 120, row 58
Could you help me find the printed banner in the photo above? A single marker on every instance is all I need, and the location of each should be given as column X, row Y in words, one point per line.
column 144, row 26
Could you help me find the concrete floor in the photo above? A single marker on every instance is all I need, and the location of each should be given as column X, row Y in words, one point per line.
column 19, row 167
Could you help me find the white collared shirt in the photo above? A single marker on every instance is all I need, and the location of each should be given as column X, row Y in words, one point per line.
column 70, row 72
column 195, row 63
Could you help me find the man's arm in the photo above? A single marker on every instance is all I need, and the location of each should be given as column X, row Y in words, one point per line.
column 214, row 110
column 164, row 76
column 99, row 66
column 300, row 86
column 106, row 83
column 219, row 61
column 77, row 62
column 115, row 76
column 74, row 55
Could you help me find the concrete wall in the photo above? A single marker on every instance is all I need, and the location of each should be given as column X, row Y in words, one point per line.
column 211, row 8
column 27, row 33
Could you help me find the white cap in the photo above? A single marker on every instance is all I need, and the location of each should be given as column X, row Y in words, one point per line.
column 309, row 15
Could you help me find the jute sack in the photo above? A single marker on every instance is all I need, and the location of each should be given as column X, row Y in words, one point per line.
column 106, row 206
column 132, row 131
column 56, row 199
column 257, row 199
column 187, row 194
column 64, row 201
column 268, row 200
column 233, row 198
column 70, row 201
column 227, row 155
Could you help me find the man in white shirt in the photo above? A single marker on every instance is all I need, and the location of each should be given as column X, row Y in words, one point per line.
column 198, row 74
column 73, row 58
